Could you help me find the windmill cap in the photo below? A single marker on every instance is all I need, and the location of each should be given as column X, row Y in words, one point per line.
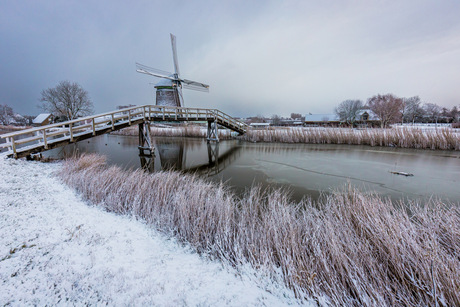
column 164, row 83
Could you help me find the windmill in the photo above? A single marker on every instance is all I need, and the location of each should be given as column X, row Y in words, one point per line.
column 169, row 88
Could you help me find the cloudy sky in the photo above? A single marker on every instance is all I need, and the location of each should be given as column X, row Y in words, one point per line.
column 259, row 57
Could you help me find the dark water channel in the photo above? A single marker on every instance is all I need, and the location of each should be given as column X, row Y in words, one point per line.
column 306, row 170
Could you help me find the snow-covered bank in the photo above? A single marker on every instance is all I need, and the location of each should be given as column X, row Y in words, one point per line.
column 56, row 249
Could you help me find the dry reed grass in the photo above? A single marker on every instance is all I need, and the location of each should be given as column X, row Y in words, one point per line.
column 351, row 248
column 445, row 138
column 176, row 131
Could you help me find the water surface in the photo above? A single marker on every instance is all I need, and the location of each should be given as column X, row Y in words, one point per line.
column 306, row 170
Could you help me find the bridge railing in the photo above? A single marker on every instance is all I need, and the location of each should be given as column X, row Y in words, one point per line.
column 44, row 136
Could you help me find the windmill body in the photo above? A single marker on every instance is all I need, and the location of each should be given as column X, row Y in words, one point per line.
column 169, row 88
column 167, row 94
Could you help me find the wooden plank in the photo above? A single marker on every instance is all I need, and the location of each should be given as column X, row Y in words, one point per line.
column 28, row 140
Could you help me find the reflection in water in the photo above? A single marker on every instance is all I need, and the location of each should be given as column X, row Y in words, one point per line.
column 171, row 155
column 216, row 163
column 306, row 170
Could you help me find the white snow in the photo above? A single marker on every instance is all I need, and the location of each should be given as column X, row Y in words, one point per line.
column 56, row 249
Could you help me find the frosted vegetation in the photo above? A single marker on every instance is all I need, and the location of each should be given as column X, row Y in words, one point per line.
column 175, row 131
column 351, row 248
column 443, row 138
column 55, row 250
column 403, row 137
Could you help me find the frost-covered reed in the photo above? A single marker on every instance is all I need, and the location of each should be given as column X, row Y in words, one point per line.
column 175, row 131
column 349, row 248
column 442, row 138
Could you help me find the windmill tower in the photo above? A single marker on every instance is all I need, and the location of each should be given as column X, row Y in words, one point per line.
column 169, row 88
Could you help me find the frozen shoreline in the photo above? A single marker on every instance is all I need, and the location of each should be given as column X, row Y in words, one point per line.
column 56, row 249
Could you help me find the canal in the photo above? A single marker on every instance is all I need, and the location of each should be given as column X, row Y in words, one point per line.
column 303, row 169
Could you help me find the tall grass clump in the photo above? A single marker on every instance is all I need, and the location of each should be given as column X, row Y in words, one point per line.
column 444, row 139
column 347, row 249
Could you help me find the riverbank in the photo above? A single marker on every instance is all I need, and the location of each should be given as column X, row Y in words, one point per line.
column 349, row 247
column 57, row 250
column 400, row 137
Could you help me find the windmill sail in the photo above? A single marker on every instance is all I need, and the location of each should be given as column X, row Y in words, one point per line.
column 154, row 70
column 174, row 51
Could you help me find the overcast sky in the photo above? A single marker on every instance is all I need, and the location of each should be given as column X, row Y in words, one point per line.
column 259, row 57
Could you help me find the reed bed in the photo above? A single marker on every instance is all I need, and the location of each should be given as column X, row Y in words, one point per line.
column 177, row 131
column 347, row 249
column 443, row 138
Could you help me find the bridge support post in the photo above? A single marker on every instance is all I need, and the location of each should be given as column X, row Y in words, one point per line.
column 145, row 144
column 212, row 134
column 147, row 163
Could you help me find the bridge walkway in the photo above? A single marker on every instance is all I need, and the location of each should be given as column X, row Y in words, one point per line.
column 30, row 141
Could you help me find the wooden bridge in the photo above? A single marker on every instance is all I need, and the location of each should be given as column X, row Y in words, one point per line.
column 30, row 141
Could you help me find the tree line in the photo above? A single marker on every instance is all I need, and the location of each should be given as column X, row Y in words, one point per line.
column 391, row 109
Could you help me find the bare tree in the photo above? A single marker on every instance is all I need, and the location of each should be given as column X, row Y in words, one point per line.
column 67, row 99
column 455, row 114
column 433, row 111
column 412, row 109
column 276, row 120
column 296, row 116
column 6, row 114
column 387, row 107
column 347, row 110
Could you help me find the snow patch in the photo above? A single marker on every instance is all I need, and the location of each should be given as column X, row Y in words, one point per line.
column 55, row 249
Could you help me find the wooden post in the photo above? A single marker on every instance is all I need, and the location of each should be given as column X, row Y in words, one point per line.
column 113, row 122
column 141, row 135
column 45, row 142
column 145, row 146
column 13, row 146
column 94, row 126
column 129, row 116
column 71, row 132
column 212, row 134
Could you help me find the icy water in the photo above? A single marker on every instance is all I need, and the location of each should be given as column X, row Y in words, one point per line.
column 306, row 170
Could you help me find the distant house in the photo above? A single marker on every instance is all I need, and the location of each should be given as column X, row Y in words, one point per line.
column 259, row 125
column 367, row 118
column 43, row 119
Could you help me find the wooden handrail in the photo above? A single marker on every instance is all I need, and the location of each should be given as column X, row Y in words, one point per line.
column 91, row 124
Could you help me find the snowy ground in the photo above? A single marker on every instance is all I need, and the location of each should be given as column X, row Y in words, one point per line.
column 55, row 249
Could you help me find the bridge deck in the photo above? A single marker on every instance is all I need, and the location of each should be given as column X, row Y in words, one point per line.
column 25, row 142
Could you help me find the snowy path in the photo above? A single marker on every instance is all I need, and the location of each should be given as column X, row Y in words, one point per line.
column 54, row 249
